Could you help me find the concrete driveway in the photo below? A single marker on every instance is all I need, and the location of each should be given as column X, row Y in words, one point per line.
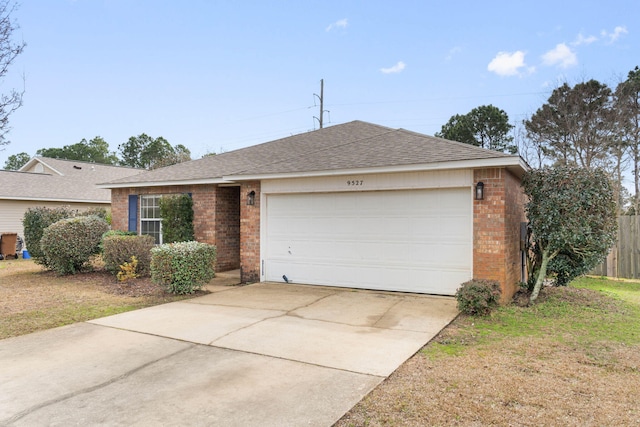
column 259, row 355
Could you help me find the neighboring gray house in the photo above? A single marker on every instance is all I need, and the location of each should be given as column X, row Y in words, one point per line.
column 51, row 182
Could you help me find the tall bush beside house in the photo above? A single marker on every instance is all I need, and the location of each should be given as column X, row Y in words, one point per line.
column 184, row 267
column 35, row 221
column 177, row 218
column 68, row 244
column 572, row 218
column 118, row 249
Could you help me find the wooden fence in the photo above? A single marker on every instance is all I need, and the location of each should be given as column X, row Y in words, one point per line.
column 624, row 259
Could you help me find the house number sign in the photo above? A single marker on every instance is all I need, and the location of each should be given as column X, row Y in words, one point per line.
column 355, row 182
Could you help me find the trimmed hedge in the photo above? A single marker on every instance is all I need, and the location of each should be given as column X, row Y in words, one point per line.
column 120, row 248
column 478, row 297
column 183, row 268
column 115, row 233
column 99, row 212
column 35, row 221
column 68, row 244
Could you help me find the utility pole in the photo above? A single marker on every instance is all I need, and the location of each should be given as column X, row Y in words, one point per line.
column 321, row 98
column 321, row 101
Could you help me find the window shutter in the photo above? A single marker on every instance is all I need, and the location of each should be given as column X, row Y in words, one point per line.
column 133, row 212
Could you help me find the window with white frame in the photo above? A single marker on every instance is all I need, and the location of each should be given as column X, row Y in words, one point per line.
column 150, row 220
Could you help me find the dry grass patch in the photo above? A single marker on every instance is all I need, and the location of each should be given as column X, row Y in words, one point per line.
column 33, row 299
column 573, row 359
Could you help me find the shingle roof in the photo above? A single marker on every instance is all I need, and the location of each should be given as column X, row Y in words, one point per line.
column 348, row 146
column 69, row 184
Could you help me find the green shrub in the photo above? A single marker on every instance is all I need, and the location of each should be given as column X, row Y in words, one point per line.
column 115, row 233
column 94, row 211
column 68, row 244
column 118, row 248
column 478, row 297
column 183, row 268
column 177, row 218
column 119, row 233
column 35, row 221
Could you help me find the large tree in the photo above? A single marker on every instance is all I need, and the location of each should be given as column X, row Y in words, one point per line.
column 179, row 154
column 572, row 219
column 485, row 126
column 627, row 101
column 16, row 161
column 96, row 150
column 144, row 151
column 9, row 50
column 577, row 125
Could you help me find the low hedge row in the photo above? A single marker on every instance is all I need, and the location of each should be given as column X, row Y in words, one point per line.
column 118, row 248
column 183, row 268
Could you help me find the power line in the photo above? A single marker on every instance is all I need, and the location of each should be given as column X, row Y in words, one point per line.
column 441, row 99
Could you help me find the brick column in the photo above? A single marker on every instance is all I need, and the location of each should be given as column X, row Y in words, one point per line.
column 514, row 215
column 496, row 229
column 250, row 233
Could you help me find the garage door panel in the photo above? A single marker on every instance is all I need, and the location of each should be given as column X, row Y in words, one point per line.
column 414, row 241
column 404, row 255
column 433, row 280
column 442, row 228
column 449, row 255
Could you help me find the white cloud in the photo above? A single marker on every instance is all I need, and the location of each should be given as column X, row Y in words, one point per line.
column 508, row 64
column 395, row 69
column 338, row 24
column 561, row 55
column 580, row 40
column 615, row 35
column 452, row 52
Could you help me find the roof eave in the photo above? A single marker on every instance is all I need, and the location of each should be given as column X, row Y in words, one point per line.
column 514, row 164
column 218, row 181
column 51, row 199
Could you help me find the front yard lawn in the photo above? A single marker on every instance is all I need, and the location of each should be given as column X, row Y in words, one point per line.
column 573, row 359
column 33, row 299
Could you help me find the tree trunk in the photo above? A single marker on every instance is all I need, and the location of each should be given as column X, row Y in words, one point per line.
column 542, row 274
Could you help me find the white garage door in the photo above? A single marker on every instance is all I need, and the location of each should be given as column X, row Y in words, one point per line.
column 412, row 241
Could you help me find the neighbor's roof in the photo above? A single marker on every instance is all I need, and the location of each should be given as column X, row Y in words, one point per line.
column 60, row 180
column 351, row 147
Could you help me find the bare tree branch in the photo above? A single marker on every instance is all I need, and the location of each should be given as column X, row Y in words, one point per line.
column 9, row 50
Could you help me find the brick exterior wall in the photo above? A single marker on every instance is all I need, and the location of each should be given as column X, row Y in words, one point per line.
column 496, row 229
column 227, row 231
column 514, row 217
column 120, row 208
column 215, row 210
column 249, row 233
column 204, row 212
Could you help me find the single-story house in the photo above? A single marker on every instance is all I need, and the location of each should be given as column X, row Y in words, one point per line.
column 52, row 183
column 353, row 205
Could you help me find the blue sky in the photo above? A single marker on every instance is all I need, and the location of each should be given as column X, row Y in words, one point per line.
column 220, row 75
